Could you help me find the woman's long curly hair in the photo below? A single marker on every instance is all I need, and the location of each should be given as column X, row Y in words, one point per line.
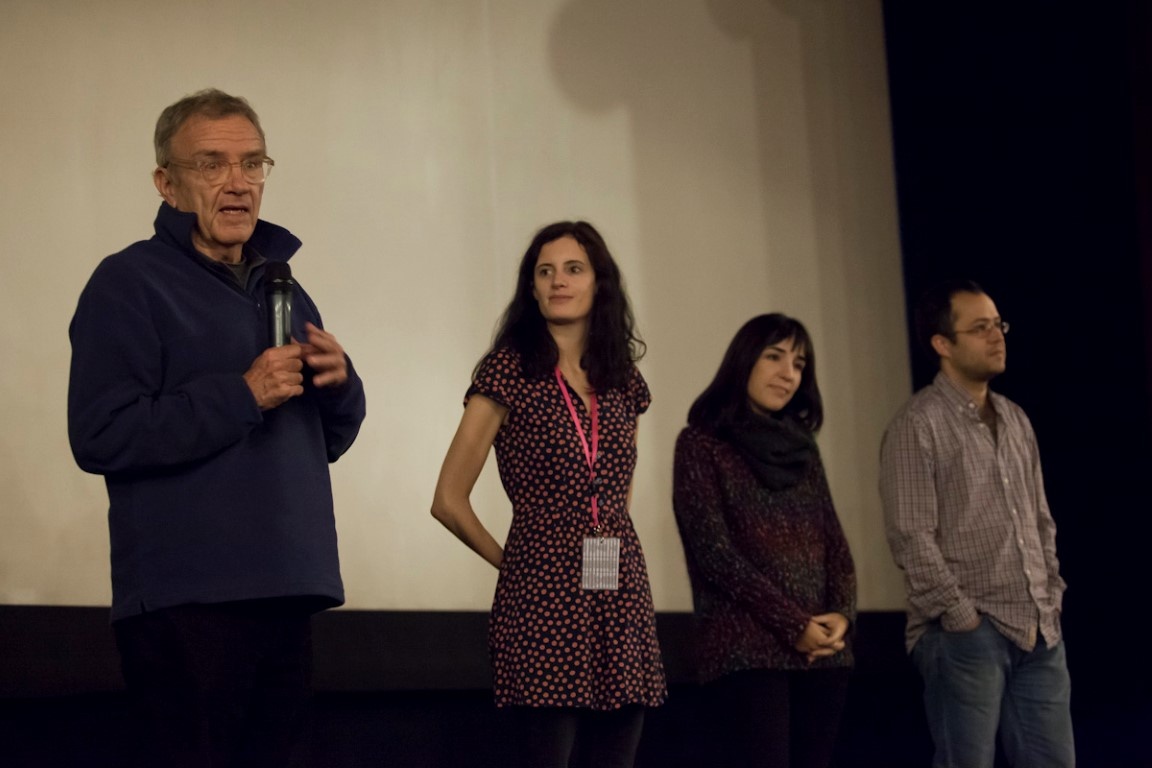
column 613, row 344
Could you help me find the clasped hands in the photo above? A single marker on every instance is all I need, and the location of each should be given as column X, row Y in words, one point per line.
column 823, row 636
column 277, row 375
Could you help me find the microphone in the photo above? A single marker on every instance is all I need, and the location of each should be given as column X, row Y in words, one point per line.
column 278, row 285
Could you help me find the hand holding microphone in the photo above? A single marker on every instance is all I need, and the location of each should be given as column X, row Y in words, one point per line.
column 277, row 374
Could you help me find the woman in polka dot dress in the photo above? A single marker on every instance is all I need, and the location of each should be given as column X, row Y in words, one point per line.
column 572, row 633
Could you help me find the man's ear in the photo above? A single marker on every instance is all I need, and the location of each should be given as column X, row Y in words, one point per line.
column 164, row 185
column 942, row 345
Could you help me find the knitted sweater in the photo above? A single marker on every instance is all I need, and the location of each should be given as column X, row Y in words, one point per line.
column 761, row 562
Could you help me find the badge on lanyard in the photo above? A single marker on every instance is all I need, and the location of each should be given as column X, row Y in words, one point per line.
column 600, row 567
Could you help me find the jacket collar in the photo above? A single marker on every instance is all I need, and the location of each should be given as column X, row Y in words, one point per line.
column 175, row 227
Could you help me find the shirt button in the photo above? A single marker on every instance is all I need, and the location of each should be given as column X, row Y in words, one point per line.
column 1013, row 510
column 1005, row 481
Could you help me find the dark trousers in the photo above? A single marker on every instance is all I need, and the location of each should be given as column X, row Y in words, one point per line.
column 218, row 686
column 566, row 737
column 777, row 718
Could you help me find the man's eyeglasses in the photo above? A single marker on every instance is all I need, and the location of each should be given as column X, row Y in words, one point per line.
column 254, row 170
column 983, row 329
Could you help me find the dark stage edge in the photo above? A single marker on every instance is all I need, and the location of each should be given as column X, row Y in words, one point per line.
column 402, row 689
column 410, row 689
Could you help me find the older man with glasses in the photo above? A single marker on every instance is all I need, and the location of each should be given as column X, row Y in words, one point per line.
column 214, row 442
column 968, row 523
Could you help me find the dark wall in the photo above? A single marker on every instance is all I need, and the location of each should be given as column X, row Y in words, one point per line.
column 1022, row 144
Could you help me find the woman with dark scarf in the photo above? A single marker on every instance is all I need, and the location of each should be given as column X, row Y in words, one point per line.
column 772, row 577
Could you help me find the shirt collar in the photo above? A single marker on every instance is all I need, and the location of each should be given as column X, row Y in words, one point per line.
column 958, row 397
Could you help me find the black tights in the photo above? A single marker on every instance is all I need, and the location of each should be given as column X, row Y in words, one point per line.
column 551, row 737
column 777, row 719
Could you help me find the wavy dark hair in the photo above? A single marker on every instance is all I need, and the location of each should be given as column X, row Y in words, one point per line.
column 613, row 342
column 725, row 400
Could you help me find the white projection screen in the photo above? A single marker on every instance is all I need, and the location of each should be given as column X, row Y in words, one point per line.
column 736, row 154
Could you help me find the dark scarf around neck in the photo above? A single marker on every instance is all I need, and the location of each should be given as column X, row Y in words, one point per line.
column 778, row 449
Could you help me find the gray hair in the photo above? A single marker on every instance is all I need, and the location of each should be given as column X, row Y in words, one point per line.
column 211, row 103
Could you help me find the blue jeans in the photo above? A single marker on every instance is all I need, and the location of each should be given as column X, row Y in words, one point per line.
column 978, row 682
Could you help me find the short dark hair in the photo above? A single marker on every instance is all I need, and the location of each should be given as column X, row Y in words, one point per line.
column 210, row 102
column 726, row 399
column 613, row 342
column 934, row 312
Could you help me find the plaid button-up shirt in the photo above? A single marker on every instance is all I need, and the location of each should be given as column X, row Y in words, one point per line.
column 967, row 519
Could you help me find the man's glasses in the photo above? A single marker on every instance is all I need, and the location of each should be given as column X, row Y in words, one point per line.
column 254, row 170
column 983, row 329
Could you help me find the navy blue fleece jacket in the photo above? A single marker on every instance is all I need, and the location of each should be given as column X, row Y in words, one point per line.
column 211, row 500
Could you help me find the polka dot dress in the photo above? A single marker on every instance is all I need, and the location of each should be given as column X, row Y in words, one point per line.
column 552, row 643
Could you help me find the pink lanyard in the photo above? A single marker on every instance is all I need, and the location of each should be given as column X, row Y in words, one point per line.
column 589, row 454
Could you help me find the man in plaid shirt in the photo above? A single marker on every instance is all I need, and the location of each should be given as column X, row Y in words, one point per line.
column 968, row 523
